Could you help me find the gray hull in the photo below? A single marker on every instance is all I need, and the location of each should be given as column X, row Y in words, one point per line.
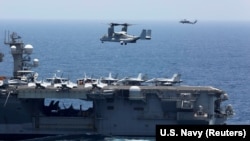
column 117, row 110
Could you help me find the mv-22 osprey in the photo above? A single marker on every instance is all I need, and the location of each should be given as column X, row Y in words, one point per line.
column 122, row 36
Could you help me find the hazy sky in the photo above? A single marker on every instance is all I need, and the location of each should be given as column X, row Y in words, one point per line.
column 166, row 10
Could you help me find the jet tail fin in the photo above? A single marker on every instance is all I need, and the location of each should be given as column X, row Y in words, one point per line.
column 145, row 34
column 148, row 34
column 139, row 76
column 177, row 78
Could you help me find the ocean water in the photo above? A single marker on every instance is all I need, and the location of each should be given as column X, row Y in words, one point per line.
column 208, row 54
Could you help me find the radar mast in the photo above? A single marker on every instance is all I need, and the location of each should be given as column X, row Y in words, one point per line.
column 21, row 55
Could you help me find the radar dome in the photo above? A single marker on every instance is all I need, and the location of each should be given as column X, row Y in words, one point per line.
column 135, row 93
column 135, row 89
column 13, row 49
column 28, row 49
column 35, row 62
column 224, row 97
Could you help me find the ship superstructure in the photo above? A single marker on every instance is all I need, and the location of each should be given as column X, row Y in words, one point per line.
column 116, row 110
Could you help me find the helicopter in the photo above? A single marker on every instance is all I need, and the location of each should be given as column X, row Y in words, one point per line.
column 122, row 36
column 188, row 22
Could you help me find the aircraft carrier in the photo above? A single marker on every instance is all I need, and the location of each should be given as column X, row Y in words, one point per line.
column 117, row 110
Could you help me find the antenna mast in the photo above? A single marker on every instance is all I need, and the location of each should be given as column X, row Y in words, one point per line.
column 21, row 54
